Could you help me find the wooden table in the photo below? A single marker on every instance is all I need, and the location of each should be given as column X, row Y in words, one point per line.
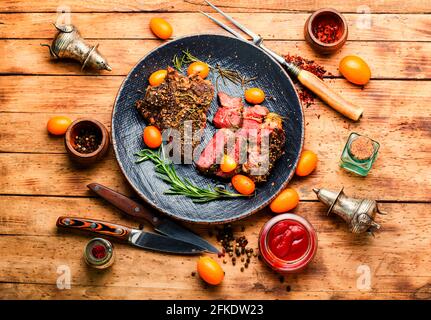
column 38, row 182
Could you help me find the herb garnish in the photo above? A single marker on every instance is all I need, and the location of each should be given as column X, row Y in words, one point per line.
column 186, row 58
column 222, row 73
column 178, row 186
column 233, row 76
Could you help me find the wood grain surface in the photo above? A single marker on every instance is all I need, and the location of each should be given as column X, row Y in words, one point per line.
column 39, row 183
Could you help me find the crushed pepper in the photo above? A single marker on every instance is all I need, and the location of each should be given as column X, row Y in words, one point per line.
column 98, row 251
column 326, row 32
column 305, row 95
column 87, row 140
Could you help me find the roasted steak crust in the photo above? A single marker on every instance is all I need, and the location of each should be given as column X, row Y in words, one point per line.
column 271, row 131
column 177, row 100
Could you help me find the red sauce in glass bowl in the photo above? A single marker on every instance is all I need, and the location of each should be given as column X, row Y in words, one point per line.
column 287, row 243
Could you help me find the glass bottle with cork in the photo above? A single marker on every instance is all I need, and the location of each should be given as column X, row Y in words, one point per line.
column 359, row 154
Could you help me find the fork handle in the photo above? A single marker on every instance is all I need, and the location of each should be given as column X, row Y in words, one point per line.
column 333, row 99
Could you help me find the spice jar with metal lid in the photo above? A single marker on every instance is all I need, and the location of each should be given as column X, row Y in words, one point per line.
column 99, row 253
column 359, row 154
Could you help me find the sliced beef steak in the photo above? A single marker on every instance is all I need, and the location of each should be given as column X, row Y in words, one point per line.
column 253, row 117
column 215, row 150
column 258, row 143
column 229, row 114
column 178, row 102
column 265, row 148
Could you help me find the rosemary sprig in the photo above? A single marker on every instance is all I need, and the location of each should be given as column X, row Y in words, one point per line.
column 222, row 73
column 233, row 76
column 178, row 186
column 185, row 58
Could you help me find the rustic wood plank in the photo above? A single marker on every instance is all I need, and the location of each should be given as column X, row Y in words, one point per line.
column 396, row 256
column 58, row 176
column 414, row 6
column 399, row 173
column 392, row 60
column 406, row 126
column 49, row 291
column 92, row 94
column 275, row 26
column 396, row 115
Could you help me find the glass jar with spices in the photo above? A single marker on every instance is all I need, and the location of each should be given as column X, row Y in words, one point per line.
column 359, row 154
column 99, row 253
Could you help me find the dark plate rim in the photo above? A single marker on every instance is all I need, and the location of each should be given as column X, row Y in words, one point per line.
column 147, row 200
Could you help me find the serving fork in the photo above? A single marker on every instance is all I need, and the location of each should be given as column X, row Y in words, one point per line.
column 308, row 79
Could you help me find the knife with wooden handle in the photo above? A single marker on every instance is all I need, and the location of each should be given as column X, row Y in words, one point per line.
column 138, row 238
column 125, row 204
column 165, row 226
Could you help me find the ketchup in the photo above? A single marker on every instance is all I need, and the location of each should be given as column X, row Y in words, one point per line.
column 288, row 240
column 287, row 243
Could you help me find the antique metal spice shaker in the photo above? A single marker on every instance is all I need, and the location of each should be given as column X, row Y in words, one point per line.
column 68, row 43
column 359, row 214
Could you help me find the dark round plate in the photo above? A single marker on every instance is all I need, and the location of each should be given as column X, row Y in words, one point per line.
column 228, row 52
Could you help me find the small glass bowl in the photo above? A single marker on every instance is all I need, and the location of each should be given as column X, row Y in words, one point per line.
column 286, row 266
column 350, row 163
column 103, row 262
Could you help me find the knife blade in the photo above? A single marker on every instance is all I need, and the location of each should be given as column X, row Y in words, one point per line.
column 163, row 225
column 138, row 238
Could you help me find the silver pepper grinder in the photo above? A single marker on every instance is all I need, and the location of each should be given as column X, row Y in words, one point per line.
column 68, row 44
column 359, row 214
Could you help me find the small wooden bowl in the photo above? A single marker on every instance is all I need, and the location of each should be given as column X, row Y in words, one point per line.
column 326, row 15
column 69, row 141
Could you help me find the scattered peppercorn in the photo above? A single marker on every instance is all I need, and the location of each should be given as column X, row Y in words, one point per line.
column 281, row 278
column 87, row 140
column 288, row 288
column 193, row 274
column 235, row 247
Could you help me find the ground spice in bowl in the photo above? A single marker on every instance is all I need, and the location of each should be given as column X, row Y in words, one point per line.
column 87, row 140
column 362, row 148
